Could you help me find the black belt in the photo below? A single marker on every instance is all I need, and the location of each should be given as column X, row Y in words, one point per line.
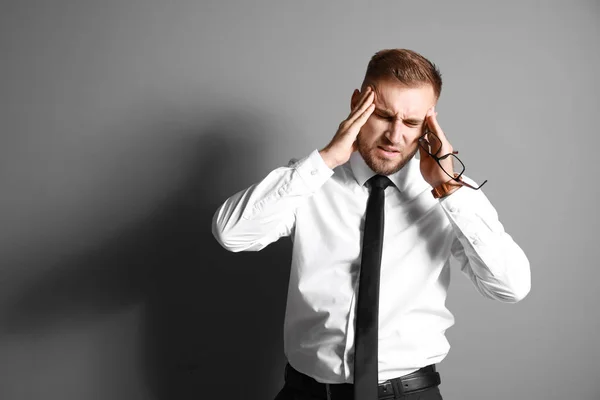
column 422, row 379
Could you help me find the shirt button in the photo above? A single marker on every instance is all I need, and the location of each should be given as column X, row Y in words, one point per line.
column 314, row 172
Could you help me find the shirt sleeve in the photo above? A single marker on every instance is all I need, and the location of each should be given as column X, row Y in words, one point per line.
column 258, row 216
column 487, row 254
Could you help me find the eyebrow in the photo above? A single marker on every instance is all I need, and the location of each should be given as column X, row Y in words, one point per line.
column 389, row 113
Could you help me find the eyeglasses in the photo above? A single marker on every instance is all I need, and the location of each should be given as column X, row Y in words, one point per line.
column 433, row 145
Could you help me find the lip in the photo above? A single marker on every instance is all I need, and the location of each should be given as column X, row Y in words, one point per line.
column 388, row 151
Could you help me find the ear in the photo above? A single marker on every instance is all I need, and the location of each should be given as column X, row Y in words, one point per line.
column 355, row 98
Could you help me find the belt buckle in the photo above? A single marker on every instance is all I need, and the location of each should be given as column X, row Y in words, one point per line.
column 386, row 389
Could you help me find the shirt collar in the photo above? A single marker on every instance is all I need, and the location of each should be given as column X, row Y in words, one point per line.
column 362, row 172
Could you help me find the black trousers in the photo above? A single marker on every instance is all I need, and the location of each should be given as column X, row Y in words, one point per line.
column 288, row 393
column 296, row 393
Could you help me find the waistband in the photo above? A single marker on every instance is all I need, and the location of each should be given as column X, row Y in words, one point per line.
column 422, row 379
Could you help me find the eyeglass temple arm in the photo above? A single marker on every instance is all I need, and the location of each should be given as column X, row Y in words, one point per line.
column 468, row 184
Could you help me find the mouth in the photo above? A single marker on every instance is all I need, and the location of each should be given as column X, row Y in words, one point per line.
column 388, row 152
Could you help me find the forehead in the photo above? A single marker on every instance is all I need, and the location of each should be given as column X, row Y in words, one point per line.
column 401, row 99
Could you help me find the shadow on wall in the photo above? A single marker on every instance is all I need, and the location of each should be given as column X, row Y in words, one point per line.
column 213, row 322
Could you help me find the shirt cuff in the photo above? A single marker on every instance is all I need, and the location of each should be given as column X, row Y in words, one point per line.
column 467, row 206
column 313, row 170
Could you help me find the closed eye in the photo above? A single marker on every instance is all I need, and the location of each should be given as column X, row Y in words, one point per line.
column 413, row 124
column 385, row 117
column 391, row 118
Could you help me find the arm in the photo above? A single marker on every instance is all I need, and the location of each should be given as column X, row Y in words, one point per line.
column 253, row 218
column 261, row 214
column 485, row 253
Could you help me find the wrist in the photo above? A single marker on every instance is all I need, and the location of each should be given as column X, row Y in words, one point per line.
column 328, row 159
column 446, row 188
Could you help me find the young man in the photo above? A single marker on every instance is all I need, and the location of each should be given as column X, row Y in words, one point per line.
column 366, row 315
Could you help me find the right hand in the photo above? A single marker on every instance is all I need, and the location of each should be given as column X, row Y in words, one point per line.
column 343, row 144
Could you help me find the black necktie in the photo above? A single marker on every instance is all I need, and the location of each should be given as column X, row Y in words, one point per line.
column 367, row 312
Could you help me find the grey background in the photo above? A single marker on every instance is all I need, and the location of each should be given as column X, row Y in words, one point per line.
column 124, row 125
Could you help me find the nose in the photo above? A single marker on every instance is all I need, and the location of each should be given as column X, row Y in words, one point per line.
column 395, row 131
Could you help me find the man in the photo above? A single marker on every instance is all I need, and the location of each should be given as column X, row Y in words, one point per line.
column 366, row 315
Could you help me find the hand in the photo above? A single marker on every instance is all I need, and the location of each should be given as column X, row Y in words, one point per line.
column 431, row 171
column 343, row 144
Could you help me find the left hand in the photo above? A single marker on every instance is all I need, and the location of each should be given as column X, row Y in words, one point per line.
column 431, row 171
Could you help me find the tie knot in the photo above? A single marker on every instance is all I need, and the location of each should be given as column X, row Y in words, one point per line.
column 379, row 182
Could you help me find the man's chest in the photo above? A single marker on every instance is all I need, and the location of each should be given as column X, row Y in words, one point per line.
column 329, row 227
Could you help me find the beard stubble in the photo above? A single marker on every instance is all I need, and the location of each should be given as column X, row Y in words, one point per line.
column 381, row 165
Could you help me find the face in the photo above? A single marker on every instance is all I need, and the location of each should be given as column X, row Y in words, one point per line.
column 388, row 140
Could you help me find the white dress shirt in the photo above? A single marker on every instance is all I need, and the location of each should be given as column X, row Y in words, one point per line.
column 323, row 211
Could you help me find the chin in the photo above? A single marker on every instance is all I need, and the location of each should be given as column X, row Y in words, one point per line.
column 382, row 166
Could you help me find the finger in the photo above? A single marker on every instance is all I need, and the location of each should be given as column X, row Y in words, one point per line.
column 423, row 151
column 446, row 147
column 367, row 102
column 435, row 126
column 362, row 118
column 365, row 93
column 363, row 97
